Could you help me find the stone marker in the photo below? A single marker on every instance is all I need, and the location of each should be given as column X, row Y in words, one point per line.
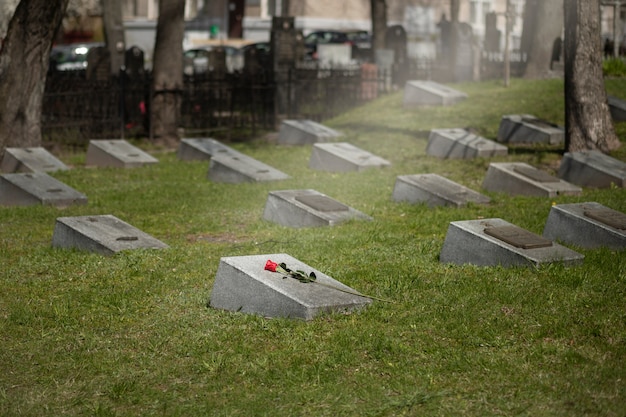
column 493, row 242
column 434, row 190
column 528, row 129
column 307, row 208
column 231, row 166
column 25, row 189
column 430, row 93
column 103, row 234
column 588, row 225
column 334, row 54
column 617, row 107
column 343, row 157
column 116, row 153
column 200, row 149
column 592, row 169
column 243, row 285
column 518, row 178
column 461, row 144
column 305, row 132
column 35, row 159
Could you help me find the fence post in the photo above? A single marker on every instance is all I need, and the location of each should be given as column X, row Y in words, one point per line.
column 122, row 81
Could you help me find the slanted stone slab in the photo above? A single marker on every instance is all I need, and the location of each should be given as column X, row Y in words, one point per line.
column 434, row 190
column 116, row 153
column 35, row 159
column 231, row 166
column 305, row 132
column 430, row 93
column 528, row 129
column 307, row 208
column 26, row 189
column 103, row 234
column 587, row 225
column 493, row 242
column 518, row 178
column 461, row 144
column 243, row 285
column 617, row 106
column 200, row 149
column 343, row 157
column 592, row 169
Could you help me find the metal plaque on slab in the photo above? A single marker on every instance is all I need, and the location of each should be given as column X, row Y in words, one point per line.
column 321, row 203
column 608, row 216
column 534, row 174
column 518, row 237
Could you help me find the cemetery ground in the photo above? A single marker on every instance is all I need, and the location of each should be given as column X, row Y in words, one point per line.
column 131, row 334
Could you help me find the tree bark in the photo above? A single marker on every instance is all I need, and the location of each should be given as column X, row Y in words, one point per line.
column 379, row 24
column 168, row 71
column 114, row 33
column 588, row 123
column 542, row 26
column 24, row 60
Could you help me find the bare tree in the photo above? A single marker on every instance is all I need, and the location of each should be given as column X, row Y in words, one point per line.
column 541, row 34
column 168, row 70
column 114, row 32
column 379, row 23
column 24, row 60
column 588, row 123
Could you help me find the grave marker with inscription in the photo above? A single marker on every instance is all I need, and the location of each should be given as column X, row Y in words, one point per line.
column 25, row 189
column 430, row 93
column 518, row 178
column 305, row 132
column 593, row 169
column 116, row 153
column 36, row 159
column 617, row 107
column 434, row 190
column 459, row 143
column 199, row 149
column 528, row 129
column 230, row 166
column 343, row 157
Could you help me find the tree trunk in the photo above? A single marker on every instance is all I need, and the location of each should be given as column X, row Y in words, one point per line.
column 114, row 33
column 588, row 123
column 379, row 24
column 455, row 6
column 24, row 60
column 541, row 31
column 168, row 71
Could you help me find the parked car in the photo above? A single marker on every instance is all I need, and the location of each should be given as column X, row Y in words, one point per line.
column 71, row 57
column 323, row 37
column 198, row 60
column 263, row 50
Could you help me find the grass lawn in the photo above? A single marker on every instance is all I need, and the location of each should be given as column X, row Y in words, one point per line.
column 86, row 335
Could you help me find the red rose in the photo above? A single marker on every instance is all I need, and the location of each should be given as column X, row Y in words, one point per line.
column 270, row 266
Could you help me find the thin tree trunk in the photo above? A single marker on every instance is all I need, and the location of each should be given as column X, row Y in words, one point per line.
column 114, row 33
column 379, row 24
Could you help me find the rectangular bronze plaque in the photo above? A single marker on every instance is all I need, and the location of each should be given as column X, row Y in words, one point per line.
column 518, row 237
column 539, row 123
column 321, row 203
column 534, row 174
column 608, row 216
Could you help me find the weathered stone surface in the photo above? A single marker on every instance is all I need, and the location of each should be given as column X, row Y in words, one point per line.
column 528, row 129
column 434, row 190
column 518, row 178
column 25, row 189
column 617, row 107
column 588, row 225
column 116, row 153
column 199, row 149
column 307, row 208
column 343, row 157
column 243, row 285
column 305, row 132
column 461, row 144
column 35, row 159
column 234, row 167
column 103, row 234
column 467, row 243
column 592, row 169
column 430, row 93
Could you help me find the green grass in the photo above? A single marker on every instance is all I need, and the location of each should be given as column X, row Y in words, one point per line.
column 131, row 334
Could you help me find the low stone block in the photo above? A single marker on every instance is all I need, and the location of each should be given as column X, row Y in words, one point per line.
column 116, row 153
column 518, row 178
column 434, row 190
column 305, row 132
column 26, row 189
column 243, row 285
column 528, row 129
column 617, row 108
column 103, row 234
column 200, row 149
column 234, row 167
column 430, row 93
column 461, row 144
column 307, row 208
column 343, row 157
column 587, row 225
column 495, row 242
column 592, row 169
column 35, row 159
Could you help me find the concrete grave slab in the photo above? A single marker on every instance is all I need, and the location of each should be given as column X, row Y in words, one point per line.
column 35, row 159
column 494, row 242
column 243, row 285
column 430, row 93
column 103, row 234
column 305, row 132
column 434, row 190
column 26, row 189
column 116, row 153
column 230, row 166
column 518, row 178
column 588, row 225
column 617, row 106
column 343, row 157
column 528, row 129
column 592, row 169
column 200, row 149
column 461, row 144
column 307, row 208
